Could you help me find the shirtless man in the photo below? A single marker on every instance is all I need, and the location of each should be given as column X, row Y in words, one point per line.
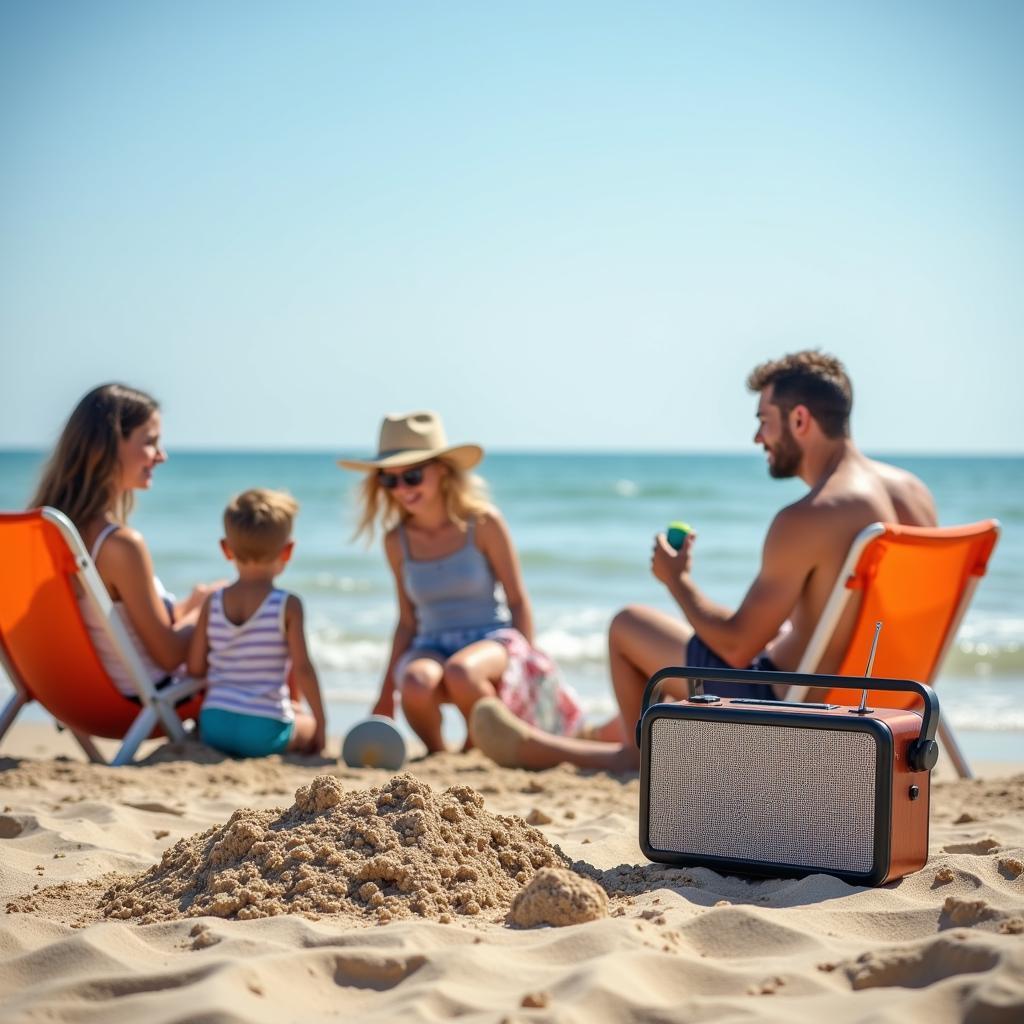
column 803, row 417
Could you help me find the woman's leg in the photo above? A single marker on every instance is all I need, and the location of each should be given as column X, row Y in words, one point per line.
column 422, row 695
column 472, row 673
column 640, row 641
column 608, row 732
column 513, row 743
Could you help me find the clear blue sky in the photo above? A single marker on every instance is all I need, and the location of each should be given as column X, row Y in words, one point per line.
column 566, row 225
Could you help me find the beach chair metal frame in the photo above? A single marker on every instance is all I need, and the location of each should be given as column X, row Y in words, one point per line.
column 843, row 591
column 158, row 707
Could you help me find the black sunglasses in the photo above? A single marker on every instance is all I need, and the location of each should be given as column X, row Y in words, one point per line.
column 410, row 477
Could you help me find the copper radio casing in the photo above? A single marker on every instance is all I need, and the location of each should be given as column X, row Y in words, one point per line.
column 900, row 794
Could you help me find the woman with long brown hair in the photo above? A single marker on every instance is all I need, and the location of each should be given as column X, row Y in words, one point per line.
column 107, row 451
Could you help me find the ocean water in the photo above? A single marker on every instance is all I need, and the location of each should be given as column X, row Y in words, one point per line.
column 583, row 525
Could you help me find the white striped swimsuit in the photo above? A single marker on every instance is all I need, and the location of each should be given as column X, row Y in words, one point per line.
column 247, row 665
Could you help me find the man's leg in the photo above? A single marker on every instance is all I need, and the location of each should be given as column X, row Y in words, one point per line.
column 642, row 640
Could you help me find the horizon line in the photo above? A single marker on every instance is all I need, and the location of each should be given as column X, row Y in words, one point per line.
column 343, row 450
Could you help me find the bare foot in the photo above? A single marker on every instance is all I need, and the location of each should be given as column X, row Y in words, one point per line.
column 513, row 743
column 499, row 734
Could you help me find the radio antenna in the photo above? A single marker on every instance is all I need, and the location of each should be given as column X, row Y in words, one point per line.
column 863, row 709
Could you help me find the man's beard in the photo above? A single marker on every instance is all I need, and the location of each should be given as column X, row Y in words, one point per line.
column 786, row 456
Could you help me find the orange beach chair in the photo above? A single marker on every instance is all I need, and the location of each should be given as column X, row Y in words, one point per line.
column 918, row 582
column 46, row 650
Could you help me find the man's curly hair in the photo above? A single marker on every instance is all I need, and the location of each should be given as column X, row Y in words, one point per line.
column 811, row 378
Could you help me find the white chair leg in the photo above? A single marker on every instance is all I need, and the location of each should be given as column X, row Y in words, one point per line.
column 952, row 748
column 169, row 719
column 140, row 729
column 165, row 702
column 11, row 709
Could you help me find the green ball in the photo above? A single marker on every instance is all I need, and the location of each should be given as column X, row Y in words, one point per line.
column 676, row 533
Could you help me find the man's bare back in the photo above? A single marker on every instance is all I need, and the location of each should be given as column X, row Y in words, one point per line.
column 858, row 491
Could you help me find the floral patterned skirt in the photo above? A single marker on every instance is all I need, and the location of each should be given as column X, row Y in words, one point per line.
column 532, row 688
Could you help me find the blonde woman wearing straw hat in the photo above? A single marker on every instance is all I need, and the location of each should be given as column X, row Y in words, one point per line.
column 457, row 639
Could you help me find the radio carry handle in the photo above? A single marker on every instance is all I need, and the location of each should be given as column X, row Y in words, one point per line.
column 924, row 752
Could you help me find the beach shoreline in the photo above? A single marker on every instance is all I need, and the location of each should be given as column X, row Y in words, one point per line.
column 946, row 943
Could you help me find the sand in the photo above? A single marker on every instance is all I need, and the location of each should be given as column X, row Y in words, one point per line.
column 393, row 851
column 106, row 871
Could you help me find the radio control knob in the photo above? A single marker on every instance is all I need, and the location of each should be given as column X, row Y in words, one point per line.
column 922, row 755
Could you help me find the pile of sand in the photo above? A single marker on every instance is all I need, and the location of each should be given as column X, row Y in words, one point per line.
column 393, row 852
column 558, row 897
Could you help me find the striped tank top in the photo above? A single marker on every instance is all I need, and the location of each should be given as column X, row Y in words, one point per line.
column 247, row 664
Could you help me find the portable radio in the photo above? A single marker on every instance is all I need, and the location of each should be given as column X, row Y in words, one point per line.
column 786, row 789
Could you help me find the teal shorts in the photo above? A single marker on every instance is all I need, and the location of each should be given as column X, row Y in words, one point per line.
column 243, row 735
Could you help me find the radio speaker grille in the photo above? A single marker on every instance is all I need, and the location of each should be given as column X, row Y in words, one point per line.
column 776, row 794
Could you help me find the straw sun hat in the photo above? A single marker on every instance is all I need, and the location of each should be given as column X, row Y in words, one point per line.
column 414, row 437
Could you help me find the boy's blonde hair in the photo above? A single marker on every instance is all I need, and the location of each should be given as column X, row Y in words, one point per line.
column 258, row 524
column 465, row 497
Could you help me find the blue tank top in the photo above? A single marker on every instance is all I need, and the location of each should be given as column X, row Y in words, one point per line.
column 453, row 592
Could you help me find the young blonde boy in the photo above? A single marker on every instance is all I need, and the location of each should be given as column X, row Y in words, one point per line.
column 250, row 638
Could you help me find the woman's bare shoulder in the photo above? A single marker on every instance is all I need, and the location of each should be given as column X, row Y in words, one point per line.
column 125, row 546
column 124, row 564
column 491, row 529
column 490, row 518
